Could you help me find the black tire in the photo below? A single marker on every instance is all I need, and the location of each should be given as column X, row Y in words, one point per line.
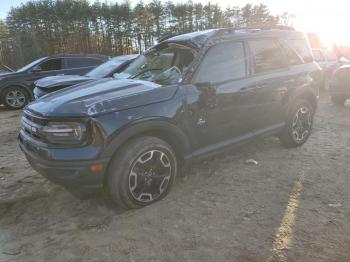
column 120, row 175
column 339, row 100
column 15, row 97
column 290, row 136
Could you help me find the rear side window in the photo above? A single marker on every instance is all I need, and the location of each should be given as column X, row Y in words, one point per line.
column 267, row 55
column 223, row 62
column 76, row 62
column 51, row 64
column 299, row 47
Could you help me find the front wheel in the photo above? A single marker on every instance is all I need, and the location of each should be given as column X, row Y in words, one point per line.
column 142, row 172
column 15, row 98
column 299, row 124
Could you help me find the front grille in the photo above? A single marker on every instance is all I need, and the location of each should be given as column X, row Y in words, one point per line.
column 32, row 125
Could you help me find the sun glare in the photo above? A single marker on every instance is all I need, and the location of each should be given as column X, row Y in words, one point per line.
column 328, row 19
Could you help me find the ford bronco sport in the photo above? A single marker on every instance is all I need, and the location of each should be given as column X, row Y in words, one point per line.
column 190, row 96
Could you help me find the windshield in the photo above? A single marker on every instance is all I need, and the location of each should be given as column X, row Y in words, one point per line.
column 106, row 69
column 165, row 65
column 32, row 64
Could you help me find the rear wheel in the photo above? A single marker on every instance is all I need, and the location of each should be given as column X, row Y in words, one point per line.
column 15, row 97
column 299, row 124
column 142, row 172
column 339, row 100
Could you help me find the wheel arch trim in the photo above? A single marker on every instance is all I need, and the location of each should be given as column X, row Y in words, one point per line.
column 157, row 127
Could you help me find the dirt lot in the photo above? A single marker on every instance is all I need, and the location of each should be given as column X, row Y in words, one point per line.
column 293, row 206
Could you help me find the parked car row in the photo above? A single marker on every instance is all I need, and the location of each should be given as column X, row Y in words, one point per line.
column 108, row 69
column 188, row 97
column 336, row 74
column 16, row 88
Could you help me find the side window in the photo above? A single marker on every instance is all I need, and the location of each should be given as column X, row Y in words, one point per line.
column 76, row 62
column 92, row 61
column 223, row 62
column 300, row 48
column 52, row 64
column 267, row 55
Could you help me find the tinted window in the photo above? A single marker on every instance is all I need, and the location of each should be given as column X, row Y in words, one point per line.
column 52, row 64
column 318, row 56
column 82, row 62
column 92, row 62
column 267, row 55
column 299, row 47
column 223, row 62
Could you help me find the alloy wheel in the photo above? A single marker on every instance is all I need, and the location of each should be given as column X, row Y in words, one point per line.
column 150, row 176
column 302, row 124
column 15, row 98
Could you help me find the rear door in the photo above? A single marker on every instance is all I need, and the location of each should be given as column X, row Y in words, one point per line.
column 272, row 78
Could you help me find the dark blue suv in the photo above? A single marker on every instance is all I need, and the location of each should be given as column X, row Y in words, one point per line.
column 188, row 97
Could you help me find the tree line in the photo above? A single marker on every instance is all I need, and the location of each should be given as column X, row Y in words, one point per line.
column 44, row 27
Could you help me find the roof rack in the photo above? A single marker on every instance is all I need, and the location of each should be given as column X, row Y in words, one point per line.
column 163, row 38
column 273, row 27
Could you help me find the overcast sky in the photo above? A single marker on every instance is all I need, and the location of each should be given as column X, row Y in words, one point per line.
column 329, row 18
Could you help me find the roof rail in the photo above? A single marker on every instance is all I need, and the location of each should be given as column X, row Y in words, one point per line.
column 163, row 38
column 272, row 27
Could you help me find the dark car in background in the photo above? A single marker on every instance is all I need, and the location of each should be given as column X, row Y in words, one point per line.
column 108, row 69
column 190, row 96
column 328, row 61
column 16, row 87
column 339, row 87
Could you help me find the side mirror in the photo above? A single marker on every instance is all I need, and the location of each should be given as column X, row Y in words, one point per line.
column 36, row 69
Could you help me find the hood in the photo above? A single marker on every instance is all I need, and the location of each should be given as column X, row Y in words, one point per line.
column 9, row 74
column 101, row 96
column 61, row 81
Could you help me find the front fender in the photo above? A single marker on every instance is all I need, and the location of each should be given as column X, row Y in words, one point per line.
column 158, row 127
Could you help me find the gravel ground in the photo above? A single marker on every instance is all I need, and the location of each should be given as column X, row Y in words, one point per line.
column 293, row 206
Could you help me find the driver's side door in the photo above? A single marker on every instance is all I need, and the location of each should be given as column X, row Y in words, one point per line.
column 225, row 104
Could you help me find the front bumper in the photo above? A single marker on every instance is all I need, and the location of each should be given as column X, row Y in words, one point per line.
column 75, row 175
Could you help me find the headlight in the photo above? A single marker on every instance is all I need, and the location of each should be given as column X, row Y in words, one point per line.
column 64, row 133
